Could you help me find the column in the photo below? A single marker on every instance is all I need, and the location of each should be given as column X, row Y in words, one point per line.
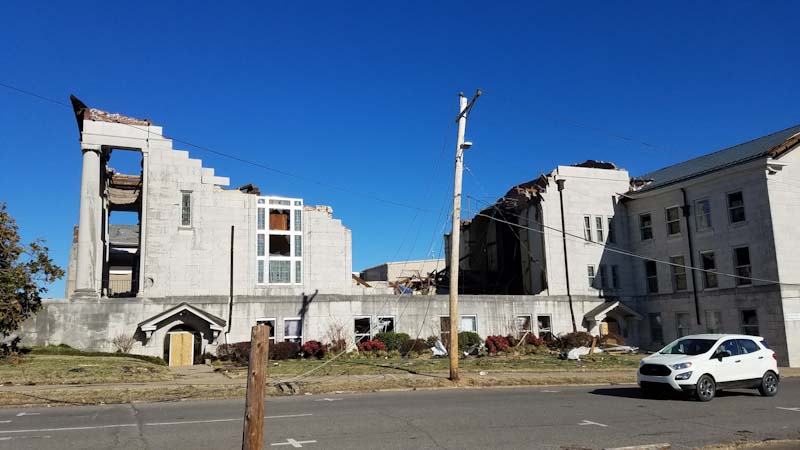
column 87, row 283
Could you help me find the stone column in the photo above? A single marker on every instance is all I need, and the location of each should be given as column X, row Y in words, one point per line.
column 89, row 226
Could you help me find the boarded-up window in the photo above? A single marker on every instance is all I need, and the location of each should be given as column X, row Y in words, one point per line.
column 279, row 219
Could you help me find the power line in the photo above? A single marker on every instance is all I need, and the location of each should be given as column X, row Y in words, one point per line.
column 629, row 253
column 233, row 157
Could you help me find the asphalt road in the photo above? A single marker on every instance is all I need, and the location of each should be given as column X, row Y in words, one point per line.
column 512, row 418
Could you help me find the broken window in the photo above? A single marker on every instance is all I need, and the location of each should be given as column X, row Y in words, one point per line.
column 673, row 221
column 544, row 325
column 279, row 272
column 271, row 323
column 651, row 273
column 736, row 207
column 741, row 262
column 279, row 245
column 713, row 322
column 750, row 322
column 386, row 324
column 363, row 329
column 708, row 264
column 587, row 228
column 591, row 275
column 186, row 209
column 645, row 226
column 682, row 324
column 656, row 327
column 523, row 325
column 702, row 211
column 279, row 219
column 598, row 225
column 678, row 273
column 293, row 330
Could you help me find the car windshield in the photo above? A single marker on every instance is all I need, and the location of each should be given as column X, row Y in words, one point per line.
column 688, row 347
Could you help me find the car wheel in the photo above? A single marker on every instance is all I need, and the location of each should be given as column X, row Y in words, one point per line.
column 769, row 384
column 705, row 389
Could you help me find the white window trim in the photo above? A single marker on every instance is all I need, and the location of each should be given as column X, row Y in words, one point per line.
column 678, row 324
column 600, row 232
column 530, row 329
column 283, row 329
column 673, row 273
column 667, row 221
column 295, row 206
column 703, row 272
column 587, row 230
column 260, row 320
column 640, row 227
column 728, row 208
column 380, row 318
column 697, row 215
column 356, row 335
column 736, row 266
column 462, row 316
column 539, row 331
column 591, row 279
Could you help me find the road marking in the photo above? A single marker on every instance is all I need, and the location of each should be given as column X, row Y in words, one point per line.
column 589, row 422
column 550, row 392
column 27, row 414
column 5, row 421
column 293, row 443
column 328, row 400
column 152, row 424
column 11, row 438
column 789, row 409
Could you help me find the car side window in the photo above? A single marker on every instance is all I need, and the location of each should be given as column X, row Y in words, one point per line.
column 748, row 346
column 729, row 346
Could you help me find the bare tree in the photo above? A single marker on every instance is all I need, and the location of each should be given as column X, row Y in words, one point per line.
column 123, row 342
column 337, row 336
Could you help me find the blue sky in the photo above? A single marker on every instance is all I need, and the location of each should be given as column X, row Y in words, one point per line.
column 362, row 96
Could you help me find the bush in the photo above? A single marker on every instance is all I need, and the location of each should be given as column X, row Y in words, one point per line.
column 314, row 349
column 337, row 346
column 237, row 353
column 467, row 339
column 531, row 339
column 284, row 350
column 10, row 351
column 414, row 346
column 371, row 346
column 576, row 339
column 496, row 344
column 123, row 342
column 392, row 340
column 431, row 340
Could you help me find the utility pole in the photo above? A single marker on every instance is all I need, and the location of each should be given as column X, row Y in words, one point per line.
column 253, row 432
column 455, row 235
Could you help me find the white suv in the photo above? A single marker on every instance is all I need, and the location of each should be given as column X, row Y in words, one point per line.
column 703, row 363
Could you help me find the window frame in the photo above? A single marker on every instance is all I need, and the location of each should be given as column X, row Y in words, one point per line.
column 612, row 235
column 273, row 326
column 740, row 282
column 356, row 334
column 541, row 330
column 591, row 274
column 706, row 276
column 521, row 330
column 461, row 318
column 670, row 222
column 186, row 204
column 744, row 327
column 660, row 322
column 384, row 330
column 599, row 229
column 291, row 338
column 587, row 228
column 707, row 215
column 651, row 280
column 731, row 208
column 718, row 314
column 643, row 228
column 678, row 327
column 678, row 272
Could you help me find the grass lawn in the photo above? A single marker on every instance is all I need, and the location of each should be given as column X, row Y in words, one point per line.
column 75, row 369
column 527, row 363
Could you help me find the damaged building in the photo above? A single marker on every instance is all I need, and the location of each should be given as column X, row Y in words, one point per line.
column 631, row 243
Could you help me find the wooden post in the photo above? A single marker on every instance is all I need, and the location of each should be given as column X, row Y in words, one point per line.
column 253, row 433
column 594, row 343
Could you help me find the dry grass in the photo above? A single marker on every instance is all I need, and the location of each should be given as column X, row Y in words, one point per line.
column 67, row 369
column 112, row 395
column 766, row 445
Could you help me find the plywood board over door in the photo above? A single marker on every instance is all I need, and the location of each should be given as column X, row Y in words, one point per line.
column 181, row 348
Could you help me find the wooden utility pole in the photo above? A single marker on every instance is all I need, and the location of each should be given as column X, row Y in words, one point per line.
column 455, row 235
column 253, row 433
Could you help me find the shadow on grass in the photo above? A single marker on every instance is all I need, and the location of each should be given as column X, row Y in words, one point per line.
column 401, row 369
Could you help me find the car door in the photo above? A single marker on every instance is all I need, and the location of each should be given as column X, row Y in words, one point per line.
column 753, row 359
column 727, row 368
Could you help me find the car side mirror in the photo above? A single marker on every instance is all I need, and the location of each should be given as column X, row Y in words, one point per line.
column 722, row 354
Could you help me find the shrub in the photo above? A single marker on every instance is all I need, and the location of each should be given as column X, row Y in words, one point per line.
column 467, row 339
column 496, row 344
column 10, row 351
column 392, row 340
column 371, row 346
column 237, row 353
column 123, row 342
column 431, row 340
column 314, row 349
column 576, row 339
column 414, row 346
column 284, row 350
column 337, row 346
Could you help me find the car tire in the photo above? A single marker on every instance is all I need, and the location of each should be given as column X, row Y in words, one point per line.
column 769, row 384
column 706, row 388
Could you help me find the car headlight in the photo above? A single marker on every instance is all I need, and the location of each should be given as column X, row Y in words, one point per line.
column 681, row 366
column 684, row 375
column 642, row 362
